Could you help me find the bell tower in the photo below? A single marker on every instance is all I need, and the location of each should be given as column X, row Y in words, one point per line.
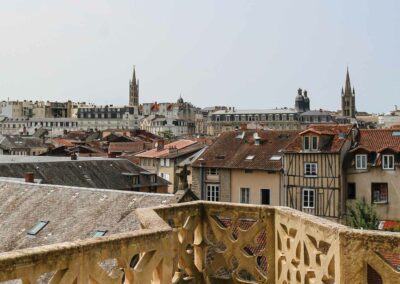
column 348, row 98
column 134, row 90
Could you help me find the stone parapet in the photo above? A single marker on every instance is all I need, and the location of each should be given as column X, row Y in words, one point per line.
column 208, row 242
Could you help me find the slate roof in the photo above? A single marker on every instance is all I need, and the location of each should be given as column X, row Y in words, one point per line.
column 336, row 135
column 232, row 148
column 16, row 141
column 95, row 173
column 73, row 213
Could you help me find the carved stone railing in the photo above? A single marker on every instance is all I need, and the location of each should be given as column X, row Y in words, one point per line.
column 205, row 242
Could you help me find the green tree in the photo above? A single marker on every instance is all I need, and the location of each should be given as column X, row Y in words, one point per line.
column 361, row 215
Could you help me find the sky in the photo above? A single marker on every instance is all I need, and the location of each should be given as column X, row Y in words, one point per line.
column 247, row 54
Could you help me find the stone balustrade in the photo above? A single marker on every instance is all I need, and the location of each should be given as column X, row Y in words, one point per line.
column 206, row 242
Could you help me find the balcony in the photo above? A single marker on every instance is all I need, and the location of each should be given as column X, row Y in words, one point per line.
column 204, row 242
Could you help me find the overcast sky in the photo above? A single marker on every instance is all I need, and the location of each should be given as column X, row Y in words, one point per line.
column 248, row 54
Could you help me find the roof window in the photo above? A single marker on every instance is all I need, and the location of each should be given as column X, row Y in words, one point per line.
column 37, row 228
column 99, row 233
column 396, row 133
column 275, row 158
column 250, row 157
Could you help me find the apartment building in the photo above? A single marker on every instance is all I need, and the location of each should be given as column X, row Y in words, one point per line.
column 314, row 171
column 373, row 171
column 242, row 166
column 164, row 160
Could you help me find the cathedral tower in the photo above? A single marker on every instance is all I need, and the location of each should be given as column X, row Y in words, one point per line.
column 134, row 90
column 348, row 98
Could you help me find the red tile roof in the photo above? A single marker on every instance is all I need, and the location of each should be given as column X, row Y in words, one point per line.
column 236, row 149
column 338, row 134
column 127, row 147
column 178, row 145
column 378, row 140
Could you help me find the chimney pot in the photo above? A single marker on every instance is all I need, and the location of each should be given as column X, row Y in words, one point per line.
column 29, row 177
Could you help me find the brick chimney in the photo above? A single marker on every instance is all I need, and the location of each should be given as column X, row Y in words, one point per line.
column 29, row 177
column 160, row 145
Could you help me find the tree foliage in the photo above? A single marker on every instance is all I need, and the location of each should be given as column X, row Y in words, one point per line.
column 361, row 215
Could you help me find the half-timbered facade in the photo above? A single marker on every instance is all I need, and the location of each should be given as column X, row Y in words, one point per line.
column 313, row 170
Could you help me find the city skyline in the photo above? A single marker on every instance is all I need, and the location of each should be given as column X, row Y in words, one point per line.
column 247, row 55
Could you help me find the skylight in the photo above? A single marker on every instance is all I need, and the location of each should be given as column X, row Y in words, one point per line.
column 99, row 233
column 38, row 227
column 250, row 157
column 396, row 133
column 275, row 158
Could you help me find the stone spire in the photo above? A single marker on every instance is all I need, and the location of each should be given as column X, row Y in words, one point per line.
column 134, row 89
column 348, row 98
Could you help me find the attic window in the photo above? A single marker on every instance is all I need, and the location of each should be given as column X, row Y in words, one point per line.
column 396, row 133
column 220, row 156
column 275, row 158
column 38, row 227
column 99, row 233
column 250, row 157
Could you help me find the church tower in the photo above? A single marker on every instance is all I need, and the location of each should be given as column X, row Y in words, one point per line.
column 348, row 98
column 134, row 90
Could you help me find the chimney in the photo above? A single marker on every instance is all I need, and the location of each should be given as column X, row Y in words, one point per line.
column 112, row 155
column 29, row 177
column 172, row 149
column 160, row 145
column 74, row 157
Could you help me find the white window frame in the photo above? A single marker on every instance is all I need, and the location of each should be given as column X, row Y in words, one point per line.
column 167, row 162
column 212, row 192
column 312, row 144
column 311, row 172
column 306, row 198
column 361, row 161
column 212, row 172
column 245, row 195
column 386, row 161
column 162, row 162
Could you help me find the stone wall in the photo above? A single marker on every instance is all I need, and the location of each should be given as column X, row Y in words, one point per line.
column 209, row 242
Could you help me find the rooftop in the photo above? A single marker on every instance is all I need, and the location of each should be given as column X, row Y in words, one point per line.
column 84, row 172
column 182, row 147
column 237, row 149
column 73, row 213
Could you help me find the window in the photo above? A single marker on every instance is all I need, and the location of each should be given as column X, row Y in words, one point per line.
column 310, row 143
column 136, row 180
column 162, row 162
column 250, row 157
column 310, row 169
column 167, row 162
column 265, row 196
column 361, row 162
column 388, row 162
column 379, row 192
column 275, row 158
column 153, row 179
column 308, row 198
column 38, row 227
column 165, row 176
column 213, row 192
column 245, row 195
column 351, row 190
column 99, row 233
column 212, row 171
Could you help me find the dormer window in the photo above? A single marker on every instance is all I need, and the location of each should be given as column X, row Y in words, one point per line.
column 388, row 162
column 361, row 162
column 310, row 143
